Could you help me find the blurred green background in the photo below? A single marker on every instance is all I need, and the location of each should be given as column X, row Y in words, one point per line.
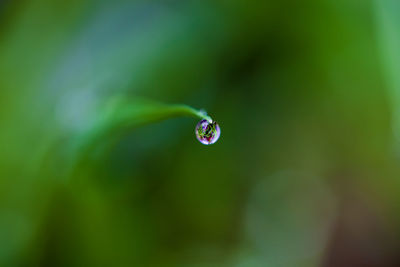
column 306, row 172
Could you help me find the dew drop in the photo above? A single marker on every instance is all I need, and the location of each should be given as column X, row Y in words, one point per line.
column 207, row 132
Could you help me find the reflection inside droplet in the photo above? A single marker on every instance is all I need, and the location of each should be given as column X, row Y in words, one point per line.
column 207, row 132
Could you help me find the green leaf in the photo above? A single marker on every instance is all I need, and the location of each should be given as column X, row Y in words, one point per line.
column 388, row 22
column 119, row 116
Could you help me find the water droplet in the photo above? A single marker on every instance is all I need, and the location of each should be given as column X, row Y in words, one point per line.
column 207, row 132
